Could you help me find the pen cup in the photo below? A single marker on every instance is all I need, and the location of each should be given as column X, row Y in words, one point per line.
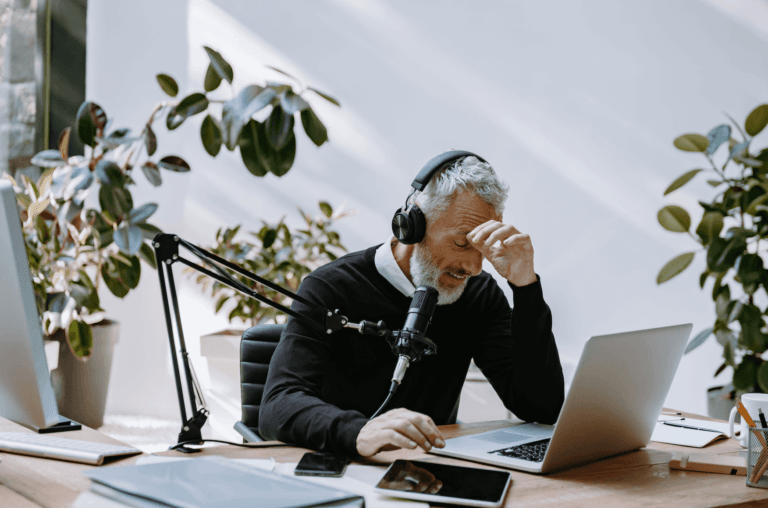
column 757, row 457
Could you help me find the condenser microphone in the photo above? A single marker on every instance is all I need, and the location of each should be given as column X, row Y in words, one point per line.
column 412, row 343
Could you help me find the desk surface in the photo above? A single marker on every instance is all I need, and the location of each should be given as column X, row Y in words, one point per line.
column 639, row 478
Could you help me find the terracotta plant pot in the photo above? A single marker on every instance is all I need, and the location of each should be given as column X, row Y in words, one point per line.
column 81, row 386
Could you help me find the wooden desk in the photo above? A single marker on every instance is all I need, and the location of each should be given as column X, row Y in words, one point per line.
column 639, row 478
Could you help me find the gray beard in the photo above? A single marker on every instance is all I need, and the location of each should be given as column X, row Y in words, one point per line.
column 425, row 272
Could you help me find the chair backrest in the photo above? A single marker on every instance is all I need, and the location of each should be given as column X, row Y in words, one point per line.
column 256, row 349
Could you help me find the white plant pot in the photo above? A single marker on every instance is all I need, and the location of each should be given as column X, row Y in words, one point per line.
column 81, row 386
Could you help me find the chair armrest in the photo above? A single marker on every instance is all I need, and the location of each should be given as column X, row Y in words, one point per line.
column 249, row 435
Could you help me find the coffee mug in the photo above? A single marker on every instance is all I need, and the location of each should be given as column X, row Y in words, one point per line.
column 751, row 402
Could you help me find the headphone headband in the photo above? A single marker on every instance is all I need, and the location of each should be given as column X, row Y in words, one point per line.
column 435, row 164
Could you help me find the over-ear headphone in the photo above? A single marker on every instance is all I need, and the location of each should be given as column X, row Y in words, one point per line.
column 409, row 224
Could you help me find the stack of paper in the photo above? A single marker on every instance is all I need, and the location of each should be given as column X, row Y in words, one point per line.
column 211, row 482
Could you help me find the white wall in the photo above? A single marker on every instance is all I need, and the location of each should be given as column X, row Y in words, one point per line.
column 575, row 104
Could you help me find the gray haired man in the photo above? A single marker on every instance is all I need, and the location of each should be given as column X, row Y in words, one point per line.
column 321, row 390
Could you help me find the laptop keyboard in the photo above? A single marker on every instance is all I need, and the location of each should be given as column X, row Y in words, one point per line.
column 532, row 452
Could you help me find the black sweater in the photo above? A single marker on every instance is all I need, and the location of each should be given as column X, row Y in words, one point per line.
column 321, row 389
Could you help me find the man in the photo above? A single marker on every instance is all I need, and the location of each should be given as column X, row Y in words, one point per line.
column 321, row 389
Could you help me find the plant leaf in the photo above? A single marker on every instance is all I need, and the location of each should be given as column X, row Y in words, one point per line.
column 710, row 226
column 152, row 173
column 48, row 159
column 745, row 376
column 314, row 127
column 128, row 239
column 174, row 163
column 212, row 79
column 90, row 120
column 168, row 84
column 681, row 180
column 249, row 139
column 115, row 286
column 64, row 142
column 325, row 96
column 279, row 127
column 142, row 213
column 292, row 103
column 173, row 120
column 675, row 219
column 698, row 340
column 233, row 118
column 148, row 255
column 210, row 133
column 326, row 209
column 109, row 173
column 221, row 66
column 757, row 120
column 674, row 267
column 151, row 141
column 192, row 104
column 717, row 137
column 80, row 339
column 692, row 143
column 130, row 274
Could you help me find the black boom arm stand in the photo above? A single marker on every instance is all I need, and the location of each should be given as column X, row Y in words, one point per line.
column 167, row 253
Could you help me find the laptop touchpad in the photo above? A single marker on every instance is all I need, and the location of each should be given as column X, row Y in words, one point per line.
column 511, row 436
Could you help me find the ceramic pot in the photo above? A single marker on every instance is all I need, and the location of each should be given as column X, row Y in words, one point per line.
column 81, row 386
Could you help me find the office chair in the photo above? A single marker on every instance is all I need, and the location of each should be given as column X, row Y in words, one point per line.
column 257, row 346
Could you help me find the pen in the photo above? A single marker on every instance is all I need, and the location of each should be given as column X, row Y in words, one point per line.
column 763, row 423
column 690, row 427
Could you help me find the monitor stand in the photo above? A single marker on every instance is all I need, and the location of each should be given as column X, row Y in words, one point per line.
column 63, row 426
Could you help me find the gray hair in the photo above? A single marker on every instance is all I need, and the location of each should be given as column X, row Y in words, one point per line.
column 467, row 173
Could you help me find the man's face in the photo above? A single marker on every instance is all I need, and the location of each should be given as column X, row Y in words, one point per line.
column 444, row 259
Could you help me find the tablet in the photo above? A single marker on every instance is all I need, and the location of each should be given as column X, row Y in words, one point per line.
column 441, row 483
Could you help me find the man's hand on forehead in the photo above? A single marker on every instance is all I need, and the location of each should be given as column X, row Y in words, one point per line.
column 507, row 249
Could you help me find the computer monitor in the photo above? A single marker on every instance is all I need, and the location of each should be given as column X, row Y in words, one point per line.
column 26, row 393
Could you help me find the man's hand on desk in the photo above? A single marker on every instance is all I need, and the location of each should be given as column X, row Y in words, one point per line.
column 398, row 428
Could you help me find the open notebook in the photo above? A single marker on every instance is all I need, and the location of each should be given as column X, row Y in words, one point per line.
column 689, row 437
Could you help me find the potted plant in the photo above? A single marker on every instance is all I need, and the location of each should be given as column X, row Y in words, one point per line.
column 729, row 235
column 73, row 250
column 279, row 254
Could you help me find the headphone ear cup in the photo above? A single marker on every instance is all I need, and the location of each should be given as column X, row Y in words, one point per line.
column 409, row 227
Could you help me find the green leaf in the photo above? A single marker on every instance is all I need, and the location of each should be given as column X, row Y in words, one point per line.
column 762, row 377
column 698, row 340
column 269, row 238
column 113, row 284
column 148, row 255
column 128, row 238
column 314, row 127
column 109, row 173
column 115, row 200
column 80, row 338
column 731, row 250
column 152, row 173
column 674, row 267
column 325, row 96
column 220, row 303
column 282, row 160
column 210, row 133
column 279, row 128
column 237, row 112
column 710, row 226
column 249, row 140
column 174, row 163
column 717, row 137
column 130, row 274
column 749, row 268
column 48, row 159
column 192, row 104
column 715, row 183
column 292, row 103
column 703, row 278
column 682, row 180
column 148, row 231
column 692, row 143
column 151, row 141
column 675, row 219
column 142, row 213
column 90, row 120
column 745, row 376
column 751, row 322
column 720, row 369
column 729, row 356
column 221, row 66
column 326, row 209
column 212, row 79
column 173, row 120
column 168, row 84
column 757, row 120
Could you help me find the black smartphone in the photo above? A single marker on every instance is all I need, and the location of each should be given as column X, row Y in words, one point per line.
column 321, row 464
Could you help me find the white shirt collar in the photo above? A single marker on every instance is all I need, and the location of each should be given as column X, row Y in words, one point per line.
column 389, row 269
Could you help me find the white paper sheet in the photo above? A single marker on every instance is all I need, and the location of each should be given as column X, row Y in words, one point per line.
column 689, row 437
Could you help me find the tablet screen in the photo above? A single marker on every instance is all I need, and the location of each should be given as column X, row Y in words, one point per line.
column 470, row 483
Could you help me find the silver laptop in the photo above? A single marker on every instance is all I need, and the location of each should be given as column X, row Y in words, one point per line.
column 612, row 407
